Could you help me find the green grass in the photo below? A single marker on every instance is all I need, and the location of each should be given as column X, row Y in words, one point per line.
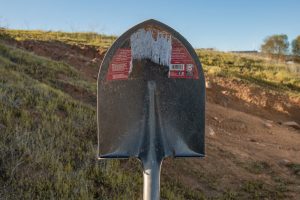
column 295, row 167
column 53, row 73
column 173, row 189
column 73, row 38
column 254, row 69
column 37, row 139
column 48, row 139
column 256, row 189
column 257, row 167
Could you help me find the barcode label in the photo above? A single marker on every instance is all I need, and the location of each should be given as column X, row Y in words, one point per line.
column 177, row 67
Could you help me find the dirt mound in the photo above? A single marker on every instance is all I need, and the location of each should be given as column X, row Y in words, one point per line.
column 86, row 59
column 249, row 98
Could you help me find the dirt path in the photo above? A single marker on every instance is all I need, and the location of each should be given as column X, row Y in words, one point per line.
column 245, row 158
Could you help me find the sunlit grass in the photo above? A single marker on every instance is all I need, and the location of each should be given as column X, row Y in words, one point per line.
column 74, row 38
column 256, row 70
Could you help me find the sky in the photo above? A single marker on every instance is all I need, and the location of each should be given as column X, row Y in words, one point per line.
column 226, row 25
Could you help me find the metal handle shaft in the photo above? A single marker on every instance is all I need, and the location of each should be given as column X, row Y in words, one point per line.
column 152, row 181
column 151, row 162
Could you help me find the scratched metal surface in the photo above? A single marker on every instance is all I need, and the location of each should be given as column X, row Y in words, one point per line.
column 149, row 111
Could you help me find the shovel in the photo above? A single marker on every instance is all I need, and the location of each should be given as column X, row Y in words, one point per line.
column 151, row 100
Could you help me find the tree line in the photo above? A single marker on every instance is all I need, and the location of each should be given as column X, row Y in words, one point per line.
column 278, row 45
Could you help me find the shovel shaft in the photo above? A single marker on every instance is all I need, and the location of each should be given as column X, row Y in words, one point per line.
column 151, row 163
column 152, row 181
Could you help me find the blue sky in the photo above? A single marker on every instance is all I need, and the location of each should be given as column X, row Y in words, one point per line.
column 221, row 24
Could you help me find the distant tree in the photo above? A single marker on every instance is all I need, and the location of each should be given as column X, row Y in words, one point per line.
column 276, row 45
column 296, row 46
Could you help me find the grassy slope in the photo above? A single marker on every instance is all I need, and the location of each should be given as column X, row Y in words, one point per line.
column 255, row 70
column 266, row 73
column 75, row 38
column 48, row 137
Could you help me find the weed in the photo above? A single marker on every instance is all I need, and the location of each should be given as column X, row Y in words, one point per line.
column 257, row 167
column 295, row 167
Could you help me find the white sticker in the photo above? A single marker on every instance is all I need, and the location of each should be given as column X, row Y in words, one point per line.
column 176, row 67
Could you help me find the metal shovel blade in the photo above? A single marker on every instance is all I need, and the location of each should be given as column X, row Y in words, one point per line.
column 151, row 100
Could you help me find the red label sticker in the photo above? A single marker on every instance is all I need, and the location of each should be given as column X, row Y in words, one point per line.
column 120, row 65
column 182, row 65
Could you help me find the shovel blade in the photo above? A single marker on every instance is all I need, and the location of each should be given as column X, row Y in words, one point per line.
column 151, row 96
